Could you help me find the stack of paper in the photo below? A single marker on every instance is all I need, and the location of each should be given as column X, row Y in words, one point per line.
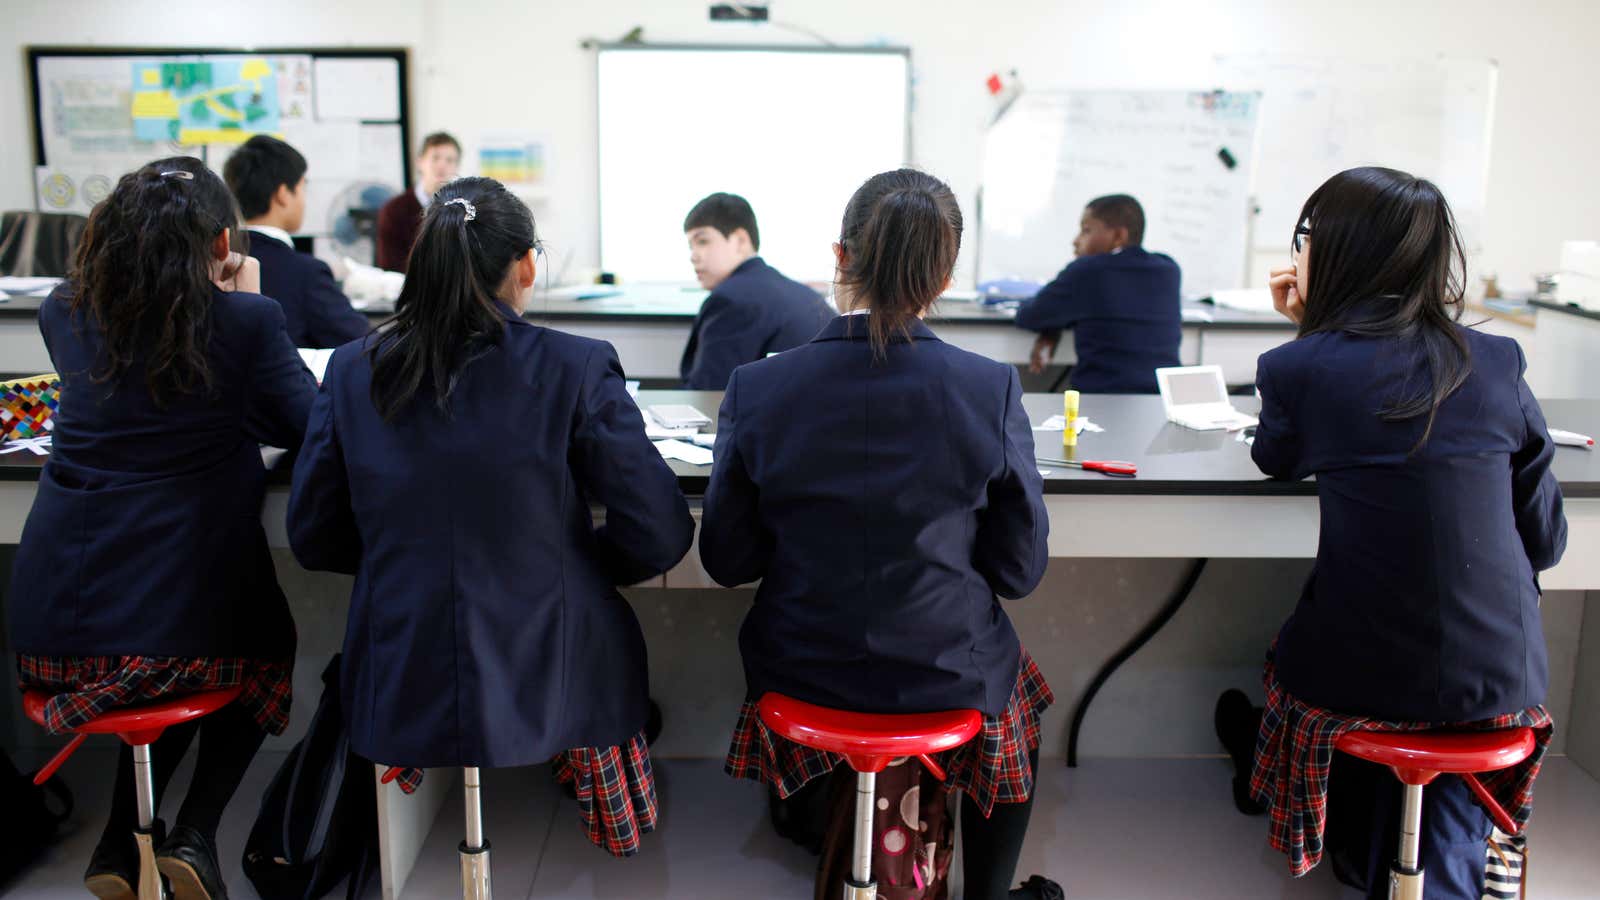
column 689, row 453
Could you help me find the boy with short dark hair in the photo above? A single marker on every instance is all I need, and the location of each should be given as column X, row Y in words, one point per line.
column 1120, row 300
column 269, row 179
column 753, row 310
column 399, row 219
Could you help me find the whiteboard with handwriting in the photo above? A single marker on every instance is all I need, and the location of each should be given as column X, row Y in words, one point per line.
column 1187, row 156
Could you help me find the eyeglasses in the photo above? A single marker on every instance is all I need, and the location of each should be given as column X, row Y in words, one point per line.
column 1301, row 232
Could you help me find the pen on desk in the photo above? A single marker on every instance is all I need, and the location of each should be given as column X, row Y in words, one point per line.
column 1114, row 467
column 1571, row 438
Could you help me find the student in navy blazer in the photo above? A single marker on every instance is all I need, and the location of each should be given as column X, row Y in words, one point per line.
column 485, row 624
column 1120, row 300
column 269, row 179
column 753, row 310
column 143, row 564
column 1438, row 505
column 882, row 486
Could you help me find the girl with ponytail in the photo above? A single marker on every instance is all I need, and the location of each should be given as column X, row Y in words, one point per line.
column 143, row 570
column 882, row 486
column 451, row 465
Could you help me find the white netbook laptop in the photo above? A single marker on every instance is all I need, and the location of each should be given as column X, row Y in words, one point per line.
column 1197, row 397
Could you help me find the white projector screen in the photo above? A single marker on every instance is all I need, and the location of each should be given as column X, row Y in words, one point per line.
column 794, row 131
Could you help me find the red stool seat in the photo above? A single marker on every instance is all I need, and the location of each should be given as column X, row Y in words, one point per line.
column 869, row 741
column 1418, row 757
column 136, row 725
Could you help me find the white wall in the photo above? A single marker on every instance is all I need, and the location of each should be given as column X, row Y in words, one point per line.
column 496, row 64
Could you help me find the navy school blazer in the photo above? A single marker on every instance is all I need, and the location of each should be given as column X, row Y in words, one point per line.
column 753, row 312
column 1125, row 315
column 886, row 505
column 1423, row 604
column 485, row 626
column 318, row 314
column 145, row 535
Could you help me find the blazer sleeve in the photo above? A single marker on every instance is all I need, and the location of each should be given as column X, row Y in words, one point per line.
column 278, row 401
column 321, row 521
column 333, row 320
column 727, row 336
column 735, row 547
column 1055, row 307
column 1276, row 449
column 1014, row 530
column 647, row 524
column 394, row 244
column 1535, row 492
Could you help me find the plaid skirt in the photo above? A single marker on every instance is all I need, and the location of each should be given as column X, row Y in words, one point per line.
column 992, row 767
column 616, row 792
column 87, row 686
column 1295, row 747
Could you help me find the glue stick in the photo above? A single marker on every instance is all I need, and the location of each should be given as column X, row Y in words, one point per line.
column 1069, row 434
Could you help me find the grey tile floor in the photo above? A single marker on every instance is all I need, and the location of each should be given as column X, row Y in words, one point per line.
column 1115, row 829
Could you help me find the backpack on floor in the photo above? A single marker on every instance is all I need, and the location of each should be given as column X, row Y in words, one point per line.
column 913, row 837
column 318, row 820
column 28, row 824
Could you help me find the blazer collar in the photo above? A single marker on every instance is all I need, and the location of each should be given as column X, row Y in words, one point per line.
column 855, row 328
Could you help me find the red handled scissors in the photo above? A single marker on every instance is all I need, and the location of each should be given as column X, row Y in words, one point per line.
column 1113, row 467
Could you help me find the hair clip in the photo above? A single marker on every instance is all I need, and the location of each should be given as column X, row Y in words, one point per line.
column 472, row 211
column 178, row 173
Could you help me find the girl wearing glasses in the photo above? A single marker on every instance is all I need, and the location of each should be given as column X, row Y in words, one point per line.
column 1438, row 511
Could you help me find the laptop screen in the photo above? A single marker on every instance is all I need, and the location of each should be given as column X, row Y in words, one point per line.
column 1191, row 388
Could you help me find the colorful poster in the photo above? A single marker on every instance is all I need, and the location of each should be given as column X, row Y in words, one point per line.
column 205, row 101
column 513, row 159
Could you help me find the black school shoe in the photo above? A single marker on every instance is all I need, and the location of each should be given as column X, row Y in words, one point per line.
column 1037, row 888
column 189, row 861
column 113, row 872
column 1237, row 720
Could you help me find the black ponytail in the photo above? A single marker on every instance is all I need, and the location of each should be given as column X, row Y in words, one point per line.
column 901, row 234
column 446, row 315
column 143, row 273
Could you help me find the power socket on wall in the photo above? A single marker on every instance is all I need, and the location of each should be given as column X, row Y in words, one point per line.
column 738, row 12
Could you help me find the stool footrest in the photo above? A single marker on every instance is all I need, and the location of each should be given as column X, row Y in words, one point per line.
column 1502, row 819
column 49, row 768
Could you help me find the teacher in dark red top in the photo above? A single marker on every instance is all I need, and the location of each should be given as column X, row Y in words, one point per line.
column 398, row 220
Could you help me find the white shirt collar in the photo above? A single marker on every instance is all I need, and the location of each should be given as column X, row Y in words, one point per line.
column 423, row 197
column 277, row 234
column 858, row 312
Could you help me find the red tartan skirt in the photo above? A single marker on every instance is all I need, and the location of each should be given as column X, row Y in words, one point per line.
column 1294, row 754
column 992, row 767
column 616, row 792
column 87, row 686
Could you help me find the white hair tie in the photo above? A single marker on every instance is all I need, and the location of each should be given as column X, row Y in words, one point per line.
column 472, row 211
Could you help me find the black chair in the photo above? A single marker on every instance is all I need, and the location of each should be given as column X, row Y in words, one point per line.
column 38, row 243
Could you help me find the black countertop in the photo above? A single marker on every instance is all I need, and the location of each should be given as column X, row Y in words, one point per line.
column 1568, row 308
column 1172, row 461
column 667, row 303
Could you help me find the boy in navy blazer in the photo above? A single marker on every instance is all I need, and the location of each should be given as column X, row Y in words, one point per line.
column 269, row 178
column 1120, row 300
column 753, row 309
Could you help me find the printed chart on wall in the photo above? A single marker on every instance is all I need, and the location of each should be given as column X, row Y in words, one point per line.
column 1186, row 156
column 100, row 115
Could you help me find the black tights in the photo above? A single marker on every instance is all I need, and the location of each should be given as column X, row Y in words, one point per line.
column 990, row 847
column 229, row 739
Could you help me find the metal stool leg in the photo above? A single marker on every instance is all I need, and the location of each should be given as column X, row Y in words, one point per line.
column 1405, row 876
column 145, row 788
column 474, row 850
column 860, row 886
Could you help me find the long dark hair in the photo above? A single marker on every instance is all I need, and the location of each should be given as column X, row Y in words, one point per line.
column 446, row 315
column 143, row 272
column 1387, row 261
column 901, row 234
